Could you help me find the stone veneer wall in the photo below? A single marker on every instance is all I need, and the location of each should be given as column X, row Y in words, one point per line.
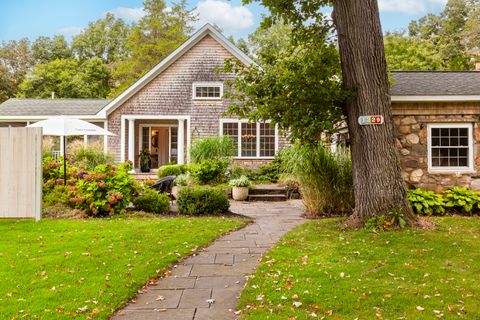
column 411, row 120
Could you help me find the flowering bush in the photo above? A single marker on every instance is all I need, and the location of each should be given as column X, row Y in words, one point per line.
column 106, row 190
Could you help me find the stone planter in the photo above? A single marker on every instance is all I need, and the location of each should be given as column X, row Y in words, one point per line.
column 175, row 191
column 239, row 193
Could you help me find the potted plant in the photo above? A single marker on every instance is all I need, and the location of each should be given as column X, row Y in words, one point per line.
column 240, row 188
column 182, row 180
column 145, row 159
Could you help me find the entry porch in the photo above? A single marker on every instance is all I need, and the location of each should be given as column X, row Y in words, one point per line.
column 167, row 138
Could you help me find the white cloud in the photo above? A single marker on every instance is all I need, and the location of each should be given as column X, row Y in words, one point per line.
column 413, row 7
column 70, row 31
column 225, row 15
column 128, row 14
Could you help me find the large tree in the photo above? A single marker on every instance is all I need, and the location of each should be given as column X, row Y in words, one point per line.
column 158, row 33
column 378, row 184
column 46, row 49
column 301, row 88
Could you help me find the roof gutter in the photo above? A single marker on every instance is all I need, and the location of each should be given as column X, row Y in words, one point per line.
column 447, row 98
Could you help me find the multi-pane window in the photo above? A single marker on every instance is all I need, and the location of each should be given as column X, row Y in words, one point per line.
column 145, row 138
column 249, row 139
column 207, row 91
column 450, row 146
column 252, row 140
column 231, row 130
column 267, row 140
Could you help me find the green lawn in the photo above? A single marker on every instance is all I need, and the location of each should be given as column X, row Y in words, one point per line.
column 57, row 269
column 320, row 271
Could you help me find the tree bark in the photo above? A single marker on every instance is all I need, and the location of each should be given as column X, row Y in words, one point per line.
column 378, row 184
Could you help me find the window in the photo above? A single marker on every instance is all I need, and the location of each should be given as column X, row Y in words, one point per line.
column 450, row 147
column 267, row 140
column 208, row 91
column 252, row 140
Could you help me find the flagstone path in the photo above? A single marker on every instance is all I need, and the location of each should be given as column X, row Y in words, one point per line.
column 207, row 286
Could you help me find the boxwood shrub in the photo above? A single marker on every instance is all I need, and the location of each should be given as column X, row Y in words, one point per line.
column 202, row 200
column 172, row 170
column 152, row 201
column 210, row 171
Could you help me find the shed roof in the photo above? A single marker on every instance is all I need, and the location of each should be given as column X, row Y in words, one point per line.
column 436, row 83
column 51, row 107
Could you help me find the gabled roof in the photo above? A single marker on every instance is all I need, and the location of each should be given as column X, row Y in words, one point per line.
column 207, row 29
column 437, row 85
column 51, row 107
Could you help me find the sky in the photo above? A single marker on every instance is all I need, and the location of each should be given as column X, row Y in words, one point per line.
column 33, row 18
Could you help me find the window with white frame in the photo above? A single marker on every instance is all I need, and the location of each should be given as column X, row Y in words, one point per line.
column 252, row 140
column 450, row 147
column 207, row 90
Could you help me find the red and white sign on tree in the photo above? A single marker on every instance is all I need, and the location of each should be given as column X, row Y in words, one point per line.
column 370, row 120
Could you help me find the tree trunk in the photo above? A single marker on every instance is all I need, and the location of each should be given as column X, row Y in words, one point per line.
column 378, row 184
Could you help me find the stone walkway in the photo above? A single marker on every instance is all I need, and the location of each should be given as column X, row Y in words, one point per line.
column 207, row 286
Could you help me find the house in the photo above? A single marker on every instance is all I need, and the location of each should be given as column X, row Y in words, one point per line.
column 436, row 116
column 179, row 100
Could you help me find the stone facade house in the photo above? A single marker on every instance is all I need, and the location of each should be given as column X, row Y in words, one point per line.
column 436, row 117
column 179, row 100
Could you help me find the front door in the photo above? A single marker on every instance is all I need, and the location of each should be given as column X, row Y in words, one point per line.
column 160, row 146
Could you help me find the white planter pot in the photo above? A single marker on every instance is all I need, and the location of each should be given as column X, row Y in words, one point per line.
column 239, row 193
column 175, row 191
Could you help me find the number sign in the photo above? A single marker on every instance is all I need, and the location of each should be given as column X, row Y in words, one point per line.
column 369, row 120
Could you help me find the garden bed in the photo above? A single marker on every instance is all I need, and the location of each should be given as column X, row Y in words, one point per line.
column 89, row 268
column 320, row 271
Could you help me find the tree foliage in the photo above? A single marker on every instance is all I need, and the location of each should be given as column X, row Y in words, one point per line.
column 15, row 61
column 105, row 39
column 46, row 49
column 68, row 78
column 447, row 41
column 296, row 85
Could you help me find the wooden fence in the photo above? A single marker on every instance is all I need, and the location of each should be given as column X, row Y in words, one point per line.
column 20, row 173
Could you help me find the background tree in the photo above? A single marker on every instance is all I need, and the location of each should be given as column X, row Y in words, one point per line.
column 157, row 34
column 46, row 49
column 408, row 53
column 15, row 61
column 105, row 39
column 68, row 78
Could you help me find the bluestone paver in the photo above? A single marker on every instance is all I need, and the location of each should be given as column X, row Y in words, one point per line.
column 208, row 285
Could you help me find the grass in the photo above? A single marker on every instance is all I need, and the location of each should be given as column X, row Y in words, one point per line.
column 319, row 271
column 57, row 269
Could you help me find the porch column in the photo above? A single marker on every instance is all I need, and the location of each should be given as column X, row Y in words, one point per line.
column 131, row 140
column 181, row 142
column 85, row 141
column 105, row 138
column 62, row 146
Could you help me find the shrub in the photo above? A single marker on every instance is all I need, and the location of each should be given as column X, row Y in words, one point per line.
column 172, row 170
column 182, row 180
column 210, row 171
column 202, row 200
column 462, row 200
column 242, row 182
column 105, row 191
column 426, row 202
column 212, row 148
column 152, row 201
column 325, row 177
column 88, row 157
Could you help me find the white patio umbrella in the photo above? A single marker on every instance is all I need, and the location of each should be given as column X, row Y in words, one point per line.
column 63, row 126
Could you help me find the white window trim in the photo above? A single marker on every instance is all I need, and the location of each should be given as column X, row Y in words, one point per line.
column 239, row 142
column 207, row 84
column 450, row 170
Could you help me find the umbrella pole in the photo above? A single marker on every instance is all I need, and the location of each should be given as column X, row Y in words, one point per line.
column 64, row 161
